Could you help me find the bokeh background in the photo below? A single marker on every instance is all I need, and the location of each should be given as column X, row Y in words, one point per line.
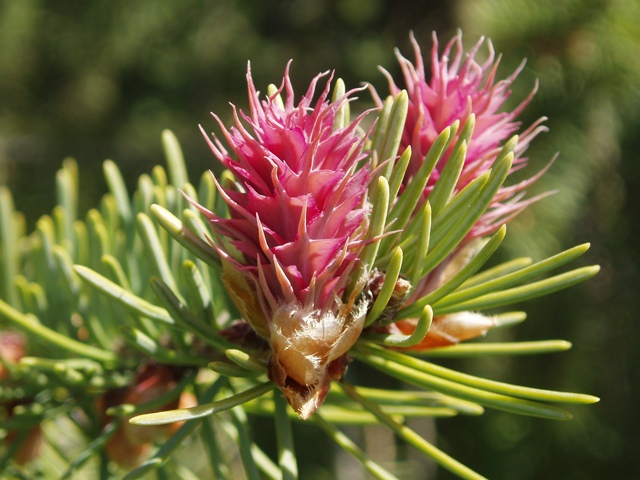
column 97, row 80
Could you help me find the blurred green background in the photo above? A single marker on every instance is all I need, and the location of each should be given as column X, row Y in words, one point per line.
column 96, row 80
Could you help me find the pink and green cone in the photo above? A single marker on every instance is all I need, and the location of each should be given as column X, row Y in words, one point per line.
column 462, row 91
column 295, row 232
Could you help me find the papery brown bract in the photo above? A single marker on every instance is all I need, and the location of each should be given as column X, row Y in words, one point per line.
column 449, row 329
column 13, row 346
column 131, row 444
column 12, row 349
column 31, row 445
